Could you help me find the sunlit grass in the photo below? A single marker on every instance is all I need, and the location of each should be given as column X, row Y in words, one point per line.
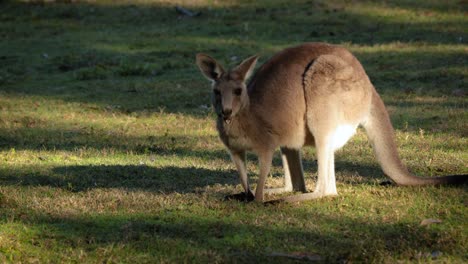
column 410, row 13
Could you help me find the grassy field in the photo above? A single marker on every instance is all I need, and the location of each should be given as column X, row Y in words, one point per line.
column 109, row 152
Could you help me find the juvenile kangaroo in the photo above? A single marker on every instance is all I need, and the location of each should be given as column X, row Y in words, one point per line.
column 314, row 94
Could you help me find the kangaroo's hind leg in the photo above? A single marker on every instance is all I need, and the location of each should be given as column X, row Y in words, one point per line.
column 326, row 182
column 293, row 172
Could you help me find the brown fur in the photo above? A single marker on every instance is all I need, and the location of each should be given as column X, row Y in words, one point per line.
column 313, row 94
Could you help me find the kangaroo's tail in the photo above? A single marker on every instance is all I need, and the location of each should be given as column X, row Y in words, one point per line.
column 381, row 135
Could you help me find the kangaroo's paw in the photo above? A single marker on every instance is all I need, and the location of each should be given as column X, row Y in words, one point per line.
column 242, row 197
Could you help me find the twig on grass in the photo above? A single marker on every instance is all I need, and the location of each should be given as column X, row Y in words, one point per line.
column 186, row 12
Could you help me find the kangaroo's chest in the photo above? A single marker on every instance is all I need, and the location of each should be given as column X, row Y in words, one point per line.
column 239, row 143
column 234, row 136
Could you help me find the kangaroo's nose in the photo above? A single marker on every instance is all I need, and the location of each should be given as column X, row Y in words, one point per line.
column 227, row 112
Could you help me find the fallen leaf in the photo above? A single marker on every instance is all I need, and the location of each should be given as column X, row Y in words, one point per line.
column 458, row 93
column 430, row 221
column 436, row 254
column 432, row 255
column 297, row 255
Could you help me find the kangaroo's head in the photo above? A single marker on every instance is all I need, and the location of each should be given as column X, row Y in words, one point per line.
column 229, row 89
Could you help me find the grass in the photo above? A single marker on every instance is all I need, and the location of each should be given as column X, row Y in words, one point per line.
column 109, row 153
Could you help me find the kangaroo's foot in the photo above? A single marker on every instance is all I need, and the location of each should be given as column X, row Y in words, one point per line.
column 302, row 197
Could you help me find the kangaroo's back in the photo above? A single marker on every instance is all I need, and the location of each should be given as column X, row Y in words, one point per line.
column 278, row 91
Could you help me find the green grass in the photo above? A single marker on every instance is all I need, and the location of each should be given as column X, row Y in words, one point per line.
column 109, row 152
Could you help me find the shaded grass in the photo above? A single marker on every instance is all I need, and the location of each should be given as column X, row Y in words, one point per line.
column 173, row 228
column 108, row 151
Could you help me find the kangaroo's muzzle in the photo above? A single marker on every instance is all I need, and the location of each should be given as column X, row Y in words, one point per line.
column 227, row 115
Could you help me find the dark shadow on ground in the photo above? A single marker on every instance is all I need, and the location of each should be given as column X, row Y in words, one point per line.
column 74, row 139
column 131, row 177
column 167, row 179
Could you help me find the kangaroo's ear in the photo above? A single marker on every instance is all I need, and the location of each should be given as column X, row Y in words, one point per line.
column 210, row 68
column 245, row 69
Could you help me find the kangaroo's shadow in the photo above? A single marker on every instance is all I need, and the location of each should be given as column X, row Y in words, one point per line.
column 133, row 177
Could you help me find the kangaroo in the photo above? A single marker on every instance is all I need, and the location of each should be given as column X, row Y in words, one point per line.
column 314, row 94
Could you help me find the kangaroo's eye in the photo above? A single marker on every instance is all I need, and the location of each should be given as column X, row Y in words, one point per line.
column 216, row 92
column 238, row 91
